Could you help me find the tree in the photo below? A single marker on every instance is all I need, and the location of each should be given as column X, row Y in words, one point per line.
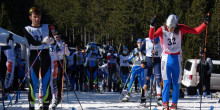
column 194, row 17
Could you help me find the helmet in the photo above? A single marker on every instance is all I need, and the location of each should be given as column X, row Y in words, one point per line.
column 139, row 40
column 92, row 46
column 172, row 21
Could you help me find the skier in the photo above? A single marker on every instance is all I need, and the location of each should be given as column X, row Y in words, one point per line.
column 54, row 71
column 112, row 58
column 71, row 69
column 124, row 65
column 59, row 49
column 137, row 70
column 37, row 35
column 148, row 46
column 91, row 65
column 10, row 64
column 78, row 60
column 171, row 63
column 205, row 68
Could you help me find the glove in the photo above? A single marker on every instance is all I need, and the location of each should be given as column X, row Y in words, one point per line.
column 10, row 37
column 48, row 40
column 143, row 64
column 153, row 20
column 207, row 19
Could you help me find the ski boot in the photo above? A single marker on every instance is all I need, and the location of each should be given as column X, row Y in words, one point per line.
column 173, row 106
column 126, row 98
column 77, row 88
column 159, row 101
column 45, row 107
column 181, row 94
column 143, row 99
column 165, row 105
column 54, row 104
column 41, row 106
column 31, row 106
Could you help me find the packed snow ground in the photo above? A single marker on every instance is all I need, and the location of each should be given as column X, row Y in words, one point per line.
column 110, row 101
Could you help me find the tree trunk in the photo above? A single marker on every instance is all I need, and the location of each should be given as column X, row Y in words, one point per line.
column 84, row 36
column 81, row 35
column 73, row 36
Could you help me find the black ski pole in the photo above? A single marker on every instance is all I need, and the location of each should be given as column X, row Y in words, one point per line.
column 152, row 67
column 203, row 59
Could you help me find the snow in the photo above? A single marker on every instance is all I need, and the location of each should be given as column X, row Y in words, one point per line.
column 110, row 101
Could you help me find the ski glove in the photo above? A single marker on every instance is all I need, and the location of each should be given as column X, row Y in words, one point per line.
column 207, row 19
column 153, row 21
column 48, row 40
column 143, row 64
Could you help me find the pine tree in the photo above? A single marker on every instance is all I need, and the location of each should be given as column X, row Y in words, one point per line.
column 194, row 17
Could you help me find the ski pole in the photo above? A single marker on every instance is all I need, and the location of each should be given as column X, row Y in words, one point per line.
column 152, row 66
column 27, row 73
column 63, row 75
column 202, row 69
column 70, row 84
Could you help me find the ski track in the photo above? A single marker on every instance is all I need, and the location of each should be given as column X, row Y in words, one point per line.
column 110, row 101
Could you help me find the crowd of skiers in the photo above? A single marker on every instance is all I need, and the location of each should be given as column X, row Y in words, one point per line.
column 156, row 58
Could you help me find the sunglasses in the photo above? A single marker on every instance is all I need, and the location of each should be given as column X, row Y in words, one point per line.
column 171, row 27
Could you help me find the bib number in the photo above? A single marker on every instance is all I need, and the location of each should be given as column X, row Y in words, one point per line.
column 171, row 41
column 38, row 38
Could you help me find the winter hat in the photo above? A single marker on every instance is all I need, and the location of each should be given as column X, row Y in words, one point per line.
column 139, row 40
column 172, row 21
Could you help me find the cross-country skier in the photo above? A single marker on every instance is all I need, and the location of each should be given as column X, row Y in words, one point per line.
column 71, row 69
column 124, row 65
column 91, row 65
column 205, row 68
column 59, row 48
column 37, row 35
column 78, row 61
column 112, row 58
column 137, row 71
column 10, row 64
column 171, row 34
column 148, row 47
column 54, row 71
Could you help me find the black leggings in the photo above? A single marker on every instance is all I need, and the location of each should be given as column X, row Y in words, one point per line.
column 40, row 72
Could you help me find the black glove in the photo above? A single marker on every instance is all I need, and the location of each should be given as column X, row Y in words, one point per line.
column 207, row 19
column 153, row 20
column 10, row 37
column 143, row 64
